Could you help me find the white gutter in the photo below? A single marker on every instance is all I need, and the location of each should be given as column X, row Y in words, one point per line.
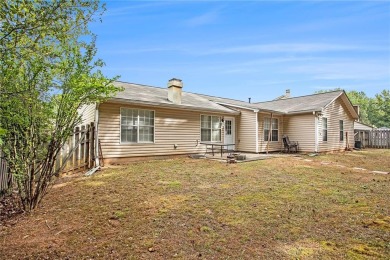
column 97, row 161
column 304, row 111
column 242, row 107
column 257, row 130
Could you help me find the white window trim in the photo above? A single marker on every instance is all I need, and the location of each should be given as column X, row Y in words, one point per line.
column 200, row 128
column 135, row 143
column 341, row 131
column 272, row 129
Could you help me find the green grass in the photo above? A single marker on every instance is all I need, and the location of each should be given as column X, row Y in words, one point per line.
column 187, row 209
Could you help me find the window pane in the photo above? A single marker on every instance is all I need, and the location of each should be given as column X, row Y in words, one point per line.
column 325, row 135
column 216, row 135
column 146, row 134
column 142, row 117
column 275, row 134
column 123, row 120
column 324, row 129
column 266, row 133
column 151, row 118
column 228, row 127
column 205, row 135
column 324, row 123
column 275, row 123
column 267, row 123
column 215, row 122
column 205, row 121
column 129, row 134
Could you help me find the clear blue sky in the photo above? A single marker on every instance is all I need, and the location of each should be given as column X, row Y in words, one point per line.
column 241, row 49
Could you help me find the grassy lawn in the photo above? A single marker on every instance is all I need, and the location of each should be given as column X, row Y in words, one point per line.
column 192, row 209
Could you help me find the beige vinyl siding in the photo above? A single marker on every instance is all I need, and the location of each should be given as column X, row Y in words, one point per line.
column 87, row 113
column 272, row 145
column 301, row 128
column 172, row 126
column 246, row 131
column 334, row 113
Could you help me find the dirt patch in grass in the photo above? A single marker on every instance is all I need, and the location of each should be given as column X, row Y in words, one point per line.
column 191, row 209
column 369, row 159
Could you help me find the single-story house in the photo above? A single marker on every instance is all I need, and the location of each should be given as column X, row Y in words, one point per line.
column 150, row 121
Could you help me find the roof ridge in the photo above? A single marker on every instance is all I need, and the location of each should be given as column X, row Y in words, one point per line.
column 221, row 97
column 142, row 85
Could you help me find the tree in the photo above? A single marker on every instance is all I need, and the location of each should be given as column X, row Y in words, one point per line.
column 381, row 109
column 360, row 98
column 48, row 71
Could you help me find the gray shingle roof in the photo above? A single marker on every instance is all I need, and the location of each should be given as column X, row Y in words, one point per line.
column 142, row 94
column 313, row 102
column 232, row 102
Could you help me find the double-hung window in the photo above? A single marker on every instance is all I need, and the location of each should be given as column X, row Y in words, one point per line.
column 137, row 125
column 324, row 129
column 210, row 128
column 341, row 123
column 275, row 129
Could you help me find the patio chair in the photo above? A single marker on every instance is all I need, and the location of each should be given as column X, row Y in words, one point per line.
column 290, row 146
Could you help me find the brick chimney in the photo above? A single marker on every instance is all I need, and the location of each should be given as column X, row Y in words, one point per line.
column 174, row 90
column 287, row 95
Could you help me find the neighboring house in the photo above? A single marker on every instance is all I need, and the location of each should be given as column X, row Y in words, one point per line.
column 149, row 121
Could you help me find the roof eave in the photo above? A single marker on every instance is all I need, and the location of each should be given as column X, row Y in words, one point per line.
column 308, row 111
column 171, row 106
column 237, row 106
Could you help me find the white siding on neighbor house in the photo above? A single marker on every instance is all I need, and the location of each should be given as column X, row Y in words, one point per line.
column 172, row 127
column 335, row 112
column 272, row 145
column 301, row 128
column 87, row 113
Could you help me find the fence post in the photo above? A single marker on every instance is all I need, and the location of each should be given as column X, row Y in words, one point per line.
column 87, row 152
column 82, row 146
column 77, row 150
column 6, row 178
column 92, row 146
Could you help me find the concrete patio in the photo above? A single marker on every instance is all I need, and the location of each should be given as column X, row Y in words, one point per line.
column 248, row 156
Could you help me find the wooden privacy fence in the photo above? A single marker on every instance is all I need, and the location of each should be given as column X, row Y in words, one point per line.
column 5, row 176
column 379, row 138
column 78, row 153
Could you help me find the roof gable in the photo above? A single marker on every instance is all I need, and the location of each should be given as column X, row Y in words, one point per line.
column 315, row 102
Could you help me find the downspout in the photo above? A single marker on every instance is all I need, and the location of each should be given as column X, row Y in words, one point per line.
column 257, row 130
column 96, row 152
column 97, row 160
